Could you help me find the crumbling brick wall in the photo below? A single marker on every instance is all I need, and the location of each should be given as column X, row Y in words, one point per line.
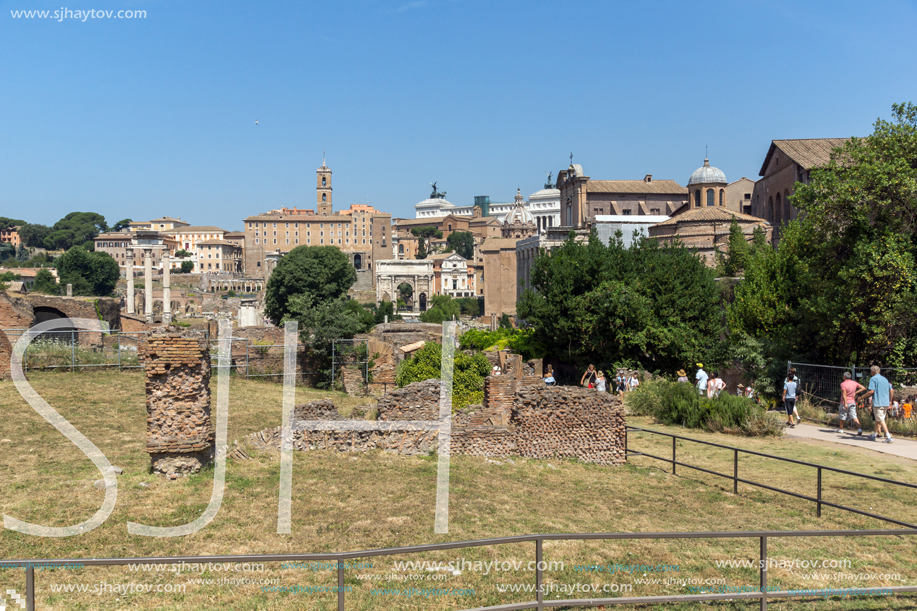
column 180, row 434
column 518, row 418
column 6, row 353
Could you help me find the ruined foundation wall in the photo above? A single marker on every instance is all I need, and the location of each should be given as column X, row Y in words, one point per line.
column 180, row 433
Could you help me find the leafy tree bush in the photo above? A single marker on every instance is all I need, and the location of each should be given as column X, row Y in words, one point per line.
column 45, row 283
column 187, row 267
column 842, row 285
column 425, row 233
column 467, row 376
column 442, row 307
column 386, row 308
column 470, row 306
column 323, row 273
column 90, row 273
column 34, row 235
column 77, row 228
column 649, row 305
column 678, row 403
column 6, row 278
column 7, row 251
column 122, row 225
column 520, row 341
column 462, row 242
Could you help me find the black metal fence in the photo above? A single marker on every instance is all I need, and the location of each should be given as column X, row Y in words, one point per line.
column 762, row 594
column 736, row 480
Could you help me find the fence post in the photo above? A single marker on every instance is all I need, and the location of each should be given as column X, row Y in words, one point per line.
column 340, row 585
column 673, row 455
column 818, row 503
column 119, row 351
column 30, row 589
column 735, row 471
column 248, row 372
column 539, row 554
column 72, row 350
column 762, row 571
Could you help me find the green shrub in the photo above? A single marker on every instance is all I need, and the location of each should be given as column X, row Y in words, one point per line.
column 520, row 341
column 678, row 403
column 467, row 375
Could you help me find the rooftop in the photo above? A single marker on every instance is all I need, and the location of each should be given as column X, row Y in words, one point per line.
column 807, row 152
column 195, row 229
column 709, row 214
column 636, row 186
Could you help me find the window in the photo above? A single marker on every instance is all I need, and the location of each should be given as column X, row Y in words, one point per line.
column 324, row 197
column 626, row 212
column 288, row 240
column 256, row 240
column 697, row 198
column 324, row 181
column 722, row 197
column 296, row 233
column 275, row 240
column 654, row 211
column 711, row 197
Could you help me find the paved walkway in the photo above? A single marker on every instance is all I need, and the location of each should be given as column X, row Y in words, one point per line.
column 906, row 448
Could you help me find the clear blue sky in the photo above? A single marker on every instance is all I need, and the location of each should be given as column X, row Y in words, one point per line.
column 146, row 117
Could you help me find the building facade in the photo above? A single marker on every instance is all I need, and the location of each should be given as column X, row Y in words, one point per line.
column 418, row 273
column 11, row 235
column 165, row 223
column 786, row 163
column 453, row 275
column 362, row 232
column 544, row 205
column 218, row 257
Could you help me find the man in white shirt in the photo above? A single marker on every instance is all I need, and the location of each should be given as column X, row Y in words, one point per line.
column 701, row 378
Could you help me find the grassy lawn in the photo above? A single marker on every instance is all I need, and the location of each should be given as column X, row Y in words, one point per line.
column 344, row 501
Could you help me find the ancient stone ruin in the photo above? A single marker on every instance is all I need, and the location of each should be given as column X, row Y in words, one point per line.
column 6, row 354
column 521, row 416
column 180, row 434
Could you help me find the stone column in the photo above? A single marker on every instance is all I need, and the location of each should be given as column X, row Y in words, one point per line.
column 166, row 290
column 148, row 285
column 416, row 301
column 130, row 280
column 180, row 433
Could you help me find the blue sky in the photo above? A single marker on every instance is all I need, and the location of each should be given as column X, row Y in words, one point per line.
column 140, row 118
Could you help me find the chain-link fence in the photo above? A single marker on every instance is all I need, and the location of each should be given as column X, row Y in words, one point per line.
column 76, row 350
column 823, row 382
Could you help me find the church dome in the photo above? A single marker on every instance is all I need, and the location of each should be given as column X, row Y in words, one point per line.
column 707, row 175
column 519, row 214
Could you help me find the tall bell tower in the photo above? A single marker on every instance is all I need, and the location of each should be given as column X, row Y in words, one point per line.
column 323, row 188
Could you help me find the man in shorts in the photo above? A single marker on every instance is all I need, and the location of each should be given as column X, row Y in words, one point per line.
column 701, row 378
column 848, row 410
column 789, row 399
column 882, row 394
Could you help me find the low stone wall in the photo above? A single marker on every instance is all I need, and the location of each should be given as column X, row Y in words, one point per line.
column 180, row 434
column 519, row 417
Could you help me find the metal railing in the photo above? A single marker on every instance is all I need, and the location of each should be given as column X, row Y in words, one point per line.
column 762, row 594
column 818, row 500
column 77, row 349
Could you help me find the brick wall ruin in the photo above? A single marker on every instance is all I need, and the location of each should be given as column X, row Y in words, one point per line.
column 180, row 434
column 520, row 417
column 6, row 353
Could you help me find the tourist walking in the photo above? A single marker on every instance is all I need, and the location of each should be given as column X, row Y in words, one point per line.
column 881, row 393
column 682, row 376
column 701, row 378
column 848, row 409
column 792, row 373
column 633, row 382
column 588, row 379
column 620, row 383
column 789, row 399
column 600, row 382
column 718, row 384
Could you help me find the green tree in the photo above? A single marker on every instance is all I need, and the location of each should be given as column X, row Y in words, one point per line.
column 90, row 273
column 386, row 308
column 468, row 373
column 323, row 273
column 406, row 291
column 187, row 267
column 22, row 254
column 442, row 307
column 45, row 283
column 7, row 223
column 737, row 251
column 320, row 322
column 7, row 251
column 462, row 242
column 842, row 284
column 6, row 278
column 425, row 234
column 77, row 228
column 122, row 225
column 656, row 306
column 33, row 235
column 182, row 253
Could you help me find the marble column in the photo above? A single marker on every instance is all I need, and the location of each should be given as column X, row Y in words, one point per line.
column 166, row 289
column 148, row 285
column 130, row 280
column 416, row 300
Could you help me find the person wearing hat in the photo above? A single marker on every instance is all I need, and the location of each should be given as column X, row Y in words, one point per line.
column 701, row 378
column 682, row 376
column 740, row 390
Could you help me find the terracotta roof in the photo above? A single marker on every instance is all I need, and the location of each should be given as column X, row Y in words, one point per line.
column 114, row 235
column 498, row 243
column 431, row 221
column 709, row 214
column 635, row 186
column 301, row 218
column 807, row 152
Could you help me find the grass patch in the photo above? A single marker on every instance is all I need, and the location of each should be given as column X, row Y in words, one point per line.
column 344, row 501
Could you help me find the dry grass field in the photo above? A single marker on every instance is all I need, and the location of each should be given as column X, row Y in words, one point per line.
column 344, row 501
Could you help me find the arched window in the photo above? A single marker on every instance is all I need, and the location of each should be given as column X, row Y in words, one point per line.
column 324, row 197
column 401, row 249
column 722, row 197
column 711, row 197
column 697, row 198
column 324, row 181
column 778, row 210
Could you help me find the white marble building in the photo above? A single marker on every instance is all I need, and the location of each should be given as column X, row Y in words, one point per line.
column 544, row 205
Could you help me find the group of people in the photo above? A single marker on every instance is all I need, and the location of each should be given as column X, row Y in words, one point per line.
column 706, row 385
column 880, row 393
column 595, row 378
